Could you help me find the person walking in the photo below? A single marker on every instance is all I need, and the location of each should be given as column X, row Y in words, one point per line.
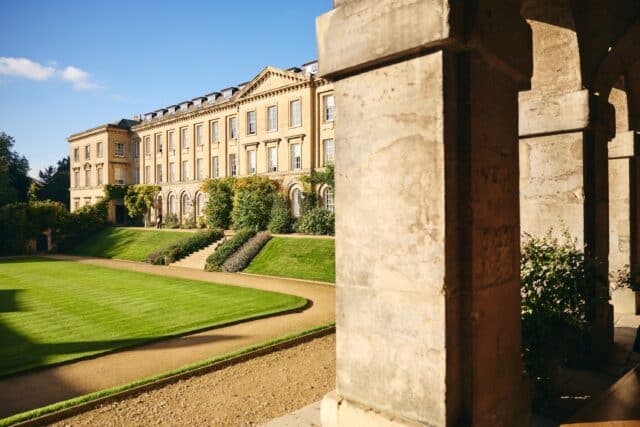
column 159, row 221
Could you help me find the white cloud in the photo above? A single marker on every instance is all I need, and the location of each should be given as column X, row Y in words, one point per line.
column 23, row 67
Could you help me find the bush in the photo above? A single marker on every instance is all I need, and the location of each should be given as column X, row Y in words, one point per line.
column 188, row 222
column 80, row 224
column 252, row 202
column 243, row 256
column 184, row 247
column 227, row 248
column 280, row 221
column 220, row 203
column 309, row 202
column 317, row 221
column 561, row 288
column 20, row 222
column 201, row 222
column 171, row 221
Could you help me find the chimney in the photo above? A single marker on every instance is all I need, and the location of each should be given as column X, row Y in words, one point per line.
column 136, row 117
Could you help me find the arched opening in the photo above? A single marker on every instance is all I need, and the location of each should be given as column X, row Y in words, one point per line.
column 200, row 201
column 327, row 199
column 185, row 208
column 296, row 202
column 172, row 205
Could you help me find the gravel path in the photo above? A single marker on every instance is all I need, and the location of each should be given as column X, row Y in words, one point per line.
column 40, row 387
column 246, row 394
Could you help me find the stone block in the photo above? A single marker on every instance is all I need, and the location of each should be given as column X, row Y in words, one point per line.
column 544, row 113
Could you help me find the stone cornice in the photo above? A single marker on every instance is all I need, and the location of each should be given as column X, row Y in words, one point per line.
column 95, row 131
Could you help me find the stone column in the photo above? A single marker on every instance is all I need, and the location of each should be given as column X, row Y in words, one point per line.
column 427, row 218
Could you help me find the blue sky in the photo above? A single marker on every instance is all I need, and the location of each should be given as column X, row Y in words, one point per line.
column 70, row 65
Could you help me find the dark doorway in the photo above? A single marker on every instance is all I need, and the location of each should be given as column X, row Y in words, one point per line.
column 120, row 215
column 42, row 244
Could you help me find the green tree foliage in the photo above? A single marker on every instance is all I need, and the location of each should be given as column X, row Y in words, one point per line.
column 317, row 221
column 139, row 199
column 281, row 221
column 52, row 184
column 326, row 176
column 220, row 203
column 253, row 197
column 14, row 169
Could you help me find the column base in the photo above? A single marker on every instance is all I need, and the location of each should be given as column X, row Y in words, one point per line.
column 336, row 411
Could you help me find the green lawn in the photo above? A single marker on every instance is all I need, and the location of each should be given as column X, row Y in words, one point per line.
column 300, row 258
column 126, row 243
column 53, row 311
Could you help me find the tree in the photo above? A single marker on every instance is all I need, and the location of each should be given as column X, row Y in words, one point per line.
column 14, row 169
column 53, row 183
column 252, row 200
column 139, row 199
column 220, row 203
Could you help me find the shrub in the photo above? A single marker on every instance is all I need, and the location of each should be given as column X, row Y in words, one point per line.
column 309, row 202
column 184, row 247
column 20, row 222
column 243, row 256
column 561, row 287
column 171, row 221
column 317, row 221
column 252, row 202
column 80, row 224
column 280, row 221
column 201, row 222
column 188, row 222
column 227, row 248
column 220, row 203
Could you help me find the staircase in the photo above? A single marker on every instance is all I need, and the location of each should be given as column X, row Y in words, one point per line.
column 197, row 260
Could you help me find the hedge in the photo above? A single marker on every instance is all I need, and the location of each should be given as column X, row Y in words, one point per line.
column 227, row 248
column 184, row 247
column 243, row 256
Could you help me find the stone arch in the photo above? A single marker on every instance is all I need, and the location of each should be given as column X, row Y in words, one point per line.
column 295, row 194
column 172, row 203
column 326, row 197
column 200, row 201
column 186, row 206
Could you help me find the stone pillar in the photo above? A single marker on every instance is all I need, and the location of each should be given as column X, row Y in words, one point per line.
column 427, row 218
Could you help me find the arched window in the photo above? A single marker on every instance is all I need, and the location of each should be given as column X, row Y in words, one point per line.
column 296, row 202
column 328, row 199
column 172, row 204
column 200, row 205
column 185, row 205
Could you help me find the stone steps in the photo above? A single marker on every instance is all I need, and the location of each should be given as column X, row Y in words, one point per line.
column 198, row 260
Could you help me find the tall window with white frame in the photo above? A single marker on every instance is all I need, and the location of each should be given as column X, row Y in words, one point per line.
column 87, row 178
column 100, row 176
column 172, row 172
column 328, row 199
column 251, row 161
column 171, row 142
column 99, row 150
column 328, row 108
column 199, row 135
column 119, row 149
column 184, row 136
column 233, row 167
column 251, row 123
column 76, row 178
column 296, row 157
column 215, row 166
column 295, row 114
column 233, row 127
column 76, row 154
column 272, row 158
column 185, row 170
column 296, row 202
column 329, row 153
column 136, row 175
column 272, row 118
column 200, row 169
column 147, row 146
column 135, row 148
column 159, row 143
column 215, row 131
column 158, row 174
column 119, row 176
column 147, row 174
column 87, row 152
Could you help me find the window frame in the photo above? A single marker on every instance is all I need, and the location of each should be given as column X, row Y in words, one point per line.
column 116, row 151
column 252, row 125
column 291, row 115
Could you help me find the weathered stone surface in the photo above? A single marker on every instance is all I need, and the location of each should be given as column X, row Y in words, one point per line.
column 551, row 113
column 623, row 145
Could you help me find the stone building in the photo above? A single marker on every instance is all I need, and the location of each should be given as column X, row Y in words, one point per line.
column 279, row 125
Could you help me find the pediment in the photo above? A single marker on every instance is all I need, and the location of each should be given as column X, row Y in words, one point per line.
column 269, row 79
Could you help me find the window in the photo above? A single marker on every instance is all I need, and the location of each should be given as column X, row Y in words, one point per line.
column 87, row 152
column 119, row 176
column 172, row 204
column 296, row 202
column 99, row 150
column 158, row 173
column 147, row 174
column 87, row 178
column 328, row 200
column 135, row 148
column 215, row 131
column 272, row 118
column 251, row 123
column 147, row 146
column 136, row 175
column 328, row 108
column 233, row 168
column 76, row 179
column 251, row 161
column 119, row 151
column 199, row 135
column 273, row 159
column 295, row 116
column 199, row 205
column 76, row 154
column 328, row 151
column 186, row 202
column 215, row 167
column 172, row 145
column 296, row 157
column 184, row 136
column 233, row 127
column 200, row 169
column 185, row 170
column 159, row 143
column 172, row 172
column 100, row 176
